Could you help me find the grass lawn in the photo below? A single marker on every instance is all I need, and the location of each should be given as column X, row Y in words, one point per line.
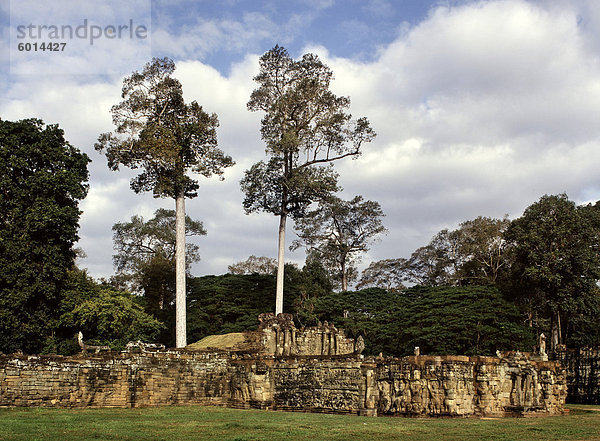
column 209, row 423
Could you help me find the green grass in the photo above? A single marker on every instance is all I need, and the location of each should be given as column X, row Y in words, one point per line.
column 209, row 423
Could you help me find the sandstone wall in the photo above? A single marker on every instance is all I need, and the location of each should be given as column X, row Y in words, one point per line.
column 583, row 374
column 420, row 385
column 279, row 336
column 463, row 386
column 114, row 380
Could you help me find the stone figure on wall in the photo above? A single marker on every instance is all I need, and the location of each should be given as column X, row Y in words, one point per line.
column 542, row 346
column 85, row 347
column 359, row 345
column 555, row 339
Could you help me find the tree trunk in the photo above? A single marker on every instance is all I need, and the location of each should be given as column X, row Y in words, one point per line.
column 554, row 329
column 280, row 265
column 180, row 316
column 560, row 336
column 344, row 277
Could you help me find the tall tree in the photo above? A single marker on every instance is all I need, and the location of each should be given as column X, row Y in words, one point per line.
column 42, row 180
column 556, row 263
column 338, row 231
column 305, row 127
column 158, row 132
column 388, row 274
column 483, row 249
column 265, row 266
column 145, row 259
column 474, row 254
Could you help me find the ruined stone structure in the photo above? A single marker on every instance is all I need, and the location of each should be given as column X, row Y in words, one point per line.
column 317, row 369
column 583, row 373
column 279, row 336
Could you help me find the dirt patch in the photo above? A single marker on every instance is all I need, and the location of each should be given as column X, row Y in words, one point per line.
column 235, row 341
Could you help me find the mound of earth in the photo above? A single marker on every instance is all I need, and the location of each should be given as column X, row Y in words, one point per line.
column 235, row 341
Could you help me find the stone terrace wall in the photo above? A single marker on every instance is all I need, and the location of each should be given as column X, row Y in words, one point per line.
column 279, row 336
column 114, row 380
column 420, row 385
column 463, row 386
column 583, row 374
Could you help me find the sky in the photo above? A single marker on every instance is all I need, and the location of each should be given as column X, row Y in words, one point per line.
column 480, row 107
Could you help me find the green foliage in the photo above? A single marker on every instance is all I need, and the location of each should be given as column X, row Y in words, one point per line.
column 372, row 313
column 114, row 318
column 304, row 286
column 145, row 262
column 301, row 114
column 338, row 231
column 105, row 316
column 483, row 250
column 440, row 320
column 228, row 303
column 304, row 126
column 232, row 302
column 42, row 180
column 137, row 242
column 556, row 261
column 158, row 132
column 145, row 255
column 583, row 330
column 463, row 320
column 280, row 189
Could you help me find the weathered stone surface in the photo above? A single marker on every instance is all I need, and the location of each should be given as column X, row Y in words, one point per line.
column 316, row 369
column 583, row 373
column 318, row 384
column 416, row 386
column 280, row 337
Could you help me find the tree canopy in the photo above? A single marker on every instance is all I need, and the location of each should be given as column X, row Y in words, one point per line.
column 472, row 320
column 556, row 263
column 161, row 134
column 338, row 231
column 254, row 265
column 139, row 244
column 476, row 253
column 305, row 127
column 145, row 262
column 158, row 132
column 386, row 274
column 42, row 180
column 105, row 316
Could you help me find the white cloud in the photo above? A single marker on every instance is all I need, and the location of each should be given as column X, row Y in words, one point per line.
column 206, row 36
column 480, row 109
column 86, row 37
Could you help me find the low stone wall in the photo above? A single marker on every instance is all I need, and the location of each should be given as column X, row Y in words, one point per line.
column 583, row 374
column 415, row 386
column 464, row 386
column 114, row 380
